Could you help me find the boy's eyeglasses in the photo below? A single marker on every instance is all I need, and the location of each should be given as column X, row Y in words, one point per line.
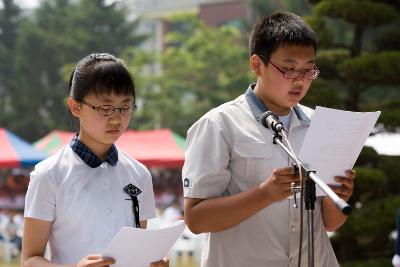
column 108, row 110
column 310, row 74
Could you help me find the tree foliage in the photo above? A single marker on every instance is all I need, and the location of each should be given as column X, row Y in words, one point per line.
column 58, row 33
column 364, row 69
column 202, row 68
column 360, row 13
column 10, row 17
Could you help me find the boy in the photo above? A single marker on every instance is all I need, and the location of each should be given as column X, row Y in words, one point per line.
column 236, row 181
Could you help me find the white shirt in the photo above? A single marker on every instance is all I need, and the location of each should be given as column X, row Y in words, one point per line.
column 227, row 152
column 86, row 205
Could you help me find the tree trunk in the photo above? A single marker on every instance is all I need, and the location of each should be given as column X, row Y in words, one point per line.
column 357, row 41
column 353, row 97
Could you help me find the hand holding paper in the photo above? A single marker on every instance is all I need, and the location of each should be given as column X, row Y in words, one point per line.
column 132, row 247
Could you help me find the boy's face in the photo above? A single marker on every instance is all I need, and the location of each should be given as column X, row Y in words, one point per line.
column 278, row 93
column 96, row 128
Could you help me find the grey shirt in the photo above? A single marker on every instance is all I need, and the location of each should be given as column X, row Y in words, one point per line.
column 228, row 151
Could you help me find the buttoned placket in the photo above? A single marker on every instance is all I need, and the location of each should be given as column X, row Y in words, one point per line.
column 108, row 195
column 294, row 213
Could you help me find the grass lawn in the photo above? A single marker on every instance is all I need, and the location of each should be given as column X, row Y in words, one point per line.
column 12, row 264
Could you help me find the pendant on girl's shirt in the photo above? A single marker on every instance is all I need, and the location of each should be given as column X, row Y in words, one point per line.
column 132, row 190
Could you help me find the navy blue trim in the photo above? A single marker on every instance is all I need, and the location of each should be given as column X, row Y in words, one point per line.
column 89, row 157
column 257, row 107
column 301, row 115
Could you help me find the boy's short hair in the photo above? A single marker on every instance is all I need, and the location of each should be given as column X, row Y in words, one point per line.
column 280, row 29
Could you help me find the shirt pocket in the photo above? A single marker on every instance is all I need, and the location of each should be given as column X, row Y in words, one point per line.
column 251, row 161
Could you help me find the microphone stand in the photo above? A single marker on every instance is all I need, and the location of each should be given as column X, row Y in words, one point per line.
column 310, row 196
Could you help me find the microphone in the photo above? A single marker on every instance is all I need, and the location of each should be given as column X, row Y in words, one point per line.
column 271, row 121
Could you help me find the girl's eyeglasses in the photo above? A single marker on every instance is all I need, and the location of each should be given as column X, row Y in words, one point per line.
column 108, row 110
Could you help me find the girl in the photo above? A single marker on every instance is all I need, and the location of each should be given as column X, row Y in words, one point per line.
column 78, row 199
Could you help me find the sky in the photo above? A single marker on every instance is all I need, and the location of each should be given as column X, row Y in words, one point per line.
column 27, row 3
column 34, row 3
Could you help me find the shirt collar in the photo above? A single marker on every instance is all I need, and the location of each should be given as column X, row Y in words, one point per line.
column 258, row 108
column 89, row 157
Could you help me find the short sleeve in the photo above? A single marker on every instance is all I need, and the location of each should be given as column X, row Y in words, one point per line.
column 40, row 201
column 205, row 173
column 147, row 203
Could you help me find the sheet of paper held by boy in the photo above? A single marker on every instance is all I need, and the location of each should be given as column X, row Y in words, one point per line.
column 334, row 140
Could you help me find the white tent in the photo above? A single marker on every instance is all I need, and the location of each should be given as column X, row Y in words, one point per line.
column 385, row 143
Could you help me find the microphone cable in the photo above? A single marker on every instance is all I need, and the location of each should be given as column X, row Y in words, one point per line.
column 301, row 194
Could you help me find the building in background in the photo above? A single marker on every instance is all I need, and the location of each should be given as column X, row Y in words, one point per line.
column 154, row 14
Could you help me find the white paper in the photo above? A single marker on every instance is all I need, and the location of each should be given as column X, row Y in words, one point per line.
column 334, row 140
column 133, row 247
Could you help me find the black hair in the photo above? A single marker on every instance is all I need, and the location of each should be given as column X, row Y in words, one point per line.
column 277, row 30
column 100, row 73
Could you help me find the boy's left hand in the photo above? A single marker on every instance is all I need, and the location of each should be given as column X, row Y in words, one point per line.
column 345, row 189
column 162, row 263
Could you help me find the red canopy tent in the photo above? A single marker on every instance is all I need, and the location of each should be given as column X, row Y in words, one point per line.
column 154, row 148
column 16, row 152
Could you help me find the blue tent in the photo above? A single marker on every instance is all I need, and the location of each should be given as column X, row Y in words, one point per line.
column 16, row 152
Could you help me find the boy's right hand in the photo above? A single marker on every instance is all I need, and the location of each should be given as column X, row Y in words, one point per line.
column 95, row 260
column 278, row 184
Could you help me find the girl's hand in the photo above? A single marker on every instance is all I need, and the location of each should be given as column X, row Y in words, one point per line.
column 96, row 261
column 162, row 263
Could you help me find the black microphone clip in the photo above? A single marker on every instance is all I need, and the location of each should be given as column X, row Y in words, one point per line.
column 271, row 121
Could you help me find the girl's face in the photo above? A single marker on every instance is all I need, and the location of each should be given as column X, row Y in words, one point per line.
column 103, row 118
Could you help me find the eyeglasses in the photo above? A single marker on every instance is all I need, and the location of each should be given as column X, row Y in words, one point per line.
column 108, row 110
column 310, row 74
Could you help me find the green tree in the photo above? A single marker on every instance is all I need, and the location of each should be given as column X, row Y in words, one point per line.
column 202, row 67
column 360, row 61
column 58, row 33
column 368, row 57
column 10, row 16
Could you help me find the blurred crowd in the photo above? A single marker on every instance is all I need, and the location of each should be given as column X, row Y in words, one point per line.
column 168, row 195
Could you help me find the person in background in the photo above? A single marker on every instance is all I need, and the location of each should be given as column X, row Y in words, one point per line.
column 173, row 213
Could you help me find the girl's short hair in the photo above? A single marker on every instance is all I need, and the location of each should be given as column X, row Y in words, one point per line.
column 100, row 73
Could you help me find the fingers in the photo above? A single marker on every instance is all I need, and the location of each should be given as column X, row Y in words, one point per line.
column 351, row 174
column 93, row 257
column 96, row 261
column 345, row 189
column 162, row 263
column 285, row 175
column 284, row 171
column 345, row 182
column 108, row 261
